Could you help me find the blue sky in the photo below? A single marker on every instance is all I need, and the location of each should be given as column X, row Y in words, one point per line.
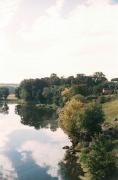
column 40, row 37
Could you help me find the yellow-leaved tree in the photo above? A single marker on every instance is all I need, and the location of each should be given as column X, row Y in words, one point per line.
column 69, row 117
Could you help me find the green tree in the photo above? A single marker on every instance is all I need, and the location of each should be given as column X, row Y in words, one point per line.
column 99, row 77
column 78, row 119
column 92, row 118
column 99, row 159
column 4, row 92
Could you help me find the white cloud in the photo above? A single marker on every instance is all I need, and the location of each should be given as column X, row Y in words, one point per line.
column 60, row 3
column 7, row 11
column 45, row 146
column 8, row 125
column 47, row 154
column 6, row 169
column 86, row 40
column 97, row 2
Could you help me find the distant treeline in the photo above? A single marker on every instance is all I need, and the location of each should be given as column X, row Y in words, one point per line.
column 57, row 90
column 11, row 87
column 4, row 92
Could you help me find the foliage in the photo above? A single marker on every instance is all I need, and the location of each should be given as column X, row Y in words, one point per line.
column 53, row 89
column 4, row 92
column 69, row 116
column 104, row 99
column 70, row 169
column 76, row 118
column 111, row 111
column 92, row 118
column 4, row 108
column 99, row 159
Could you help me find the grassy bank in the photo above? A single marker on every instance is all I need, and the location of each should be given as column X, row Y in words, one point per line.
column 111, row 112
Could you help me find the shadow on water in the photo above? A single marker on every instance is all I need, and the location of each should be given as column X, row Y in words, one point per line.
column 37, row 117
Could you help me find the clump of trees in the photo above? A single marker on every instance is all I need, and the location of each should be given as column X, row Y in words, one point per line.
column 39, row 90
column 4, row 93
column 91, row 119
column 99, row 159
column 59, row 90
column 78, row 119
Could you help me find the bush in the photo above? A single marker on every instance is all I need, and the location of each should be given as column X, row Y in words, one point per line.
column 92, row 118
column 68, row 117
column 100, row 159
column 103, row 99
column 77, row 120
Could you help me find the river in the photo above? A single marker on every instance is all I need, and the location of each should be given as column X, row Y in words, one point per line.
column 31, row 146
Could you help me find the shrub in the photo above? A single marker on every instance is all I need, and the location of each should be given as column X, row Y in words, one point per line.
column 100, row 159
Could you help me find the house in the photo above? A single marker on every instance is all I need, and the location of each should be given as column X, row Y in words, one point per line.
column 107, row 91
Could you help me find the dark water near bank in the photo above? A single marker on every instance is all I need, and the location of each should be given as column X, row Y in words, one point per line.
column 31, row 145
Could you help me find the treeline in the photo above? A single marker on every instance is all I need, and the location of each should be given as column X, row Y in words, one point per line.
column 4, row 92
column 56, row 90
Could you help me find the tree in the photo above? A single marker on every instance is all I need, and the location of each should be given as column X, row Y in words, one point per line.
column 99, row 77
column 82, row 89
column 69, row 116
column 114, row 79
column 92, row 118
column 78, row 119
column 47, row 94
column 17, row 92
column 54, row 79
column 4, row 92
column 99, row 159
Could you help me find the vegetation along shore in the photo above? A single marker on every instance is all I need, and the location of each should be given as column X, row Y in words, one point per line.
column 87, row 108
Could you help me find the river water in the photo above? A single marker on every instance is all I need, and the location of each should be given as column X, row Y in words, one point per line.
column 31, row 145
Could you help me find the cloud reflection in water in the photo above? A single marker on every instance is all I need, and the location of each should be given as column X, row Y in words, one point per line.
column 26, row 152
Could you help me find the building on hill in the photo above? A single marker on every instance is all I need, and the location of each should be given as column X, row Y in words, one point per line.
column 106, row 91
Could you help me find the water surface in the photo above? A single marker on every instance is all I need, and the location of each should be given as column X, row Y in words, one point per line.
column 30, row 145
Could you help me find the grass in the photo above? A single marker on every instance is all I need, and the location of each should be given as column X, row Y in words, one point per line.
column 111, row 112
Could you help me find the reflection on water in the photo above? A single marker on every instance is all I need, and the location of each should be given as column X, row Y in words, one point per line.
column 70, row 169
column 37, row 117
column 4, row 108
column 28, row 153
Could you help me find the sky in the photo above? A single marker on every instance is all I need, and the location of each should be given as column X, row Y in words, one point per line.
column 66, row 37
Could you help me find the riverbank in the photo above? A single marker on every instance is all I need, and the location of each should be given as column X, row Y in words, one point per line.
column 109, row 133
